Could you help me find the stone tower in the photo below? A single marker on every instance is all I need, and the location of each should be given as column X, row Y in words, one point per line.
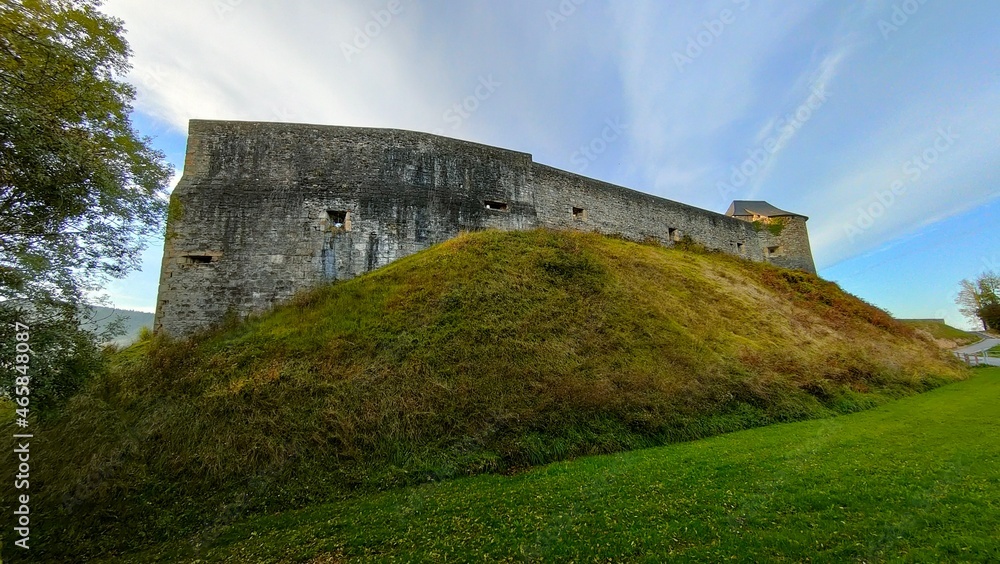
column 786, row 239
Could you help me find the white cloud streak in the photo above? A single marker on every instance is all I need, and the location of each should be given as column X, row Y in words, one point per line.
column 279, row 62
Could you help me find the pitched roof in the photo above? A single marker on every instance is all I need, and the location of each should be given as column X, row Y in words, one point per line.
column 758, row 207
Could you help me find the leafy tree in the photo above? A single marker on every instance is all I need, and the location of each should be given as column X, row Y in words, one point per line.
column 63, row 355
column 80, row 191
column 979, row 300
column 990, row 315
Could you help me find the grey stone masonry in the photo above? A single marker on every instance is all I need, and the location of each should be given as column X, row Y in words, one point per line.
column 265, row 210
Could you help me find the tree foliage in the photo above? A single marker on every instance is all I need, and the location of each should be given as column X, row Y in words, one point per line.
column 990, row 315
column 80, row 190
column 979, row 300
column 63, row 355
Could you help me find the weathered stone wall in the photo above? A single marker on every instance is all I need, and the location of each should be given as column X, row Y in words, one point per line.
column 615, row 210
column 265, row 210
column 791, row 244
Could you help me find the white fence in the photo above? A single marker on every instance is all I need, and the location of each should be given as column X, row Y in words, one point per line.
column 981, row 358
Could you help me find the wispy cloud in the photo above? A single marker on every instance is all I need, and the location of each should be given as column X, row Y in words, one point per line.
column 783, row 129
column 686, row 117
column 694, row 129
column 943, row 165
column 265, row 61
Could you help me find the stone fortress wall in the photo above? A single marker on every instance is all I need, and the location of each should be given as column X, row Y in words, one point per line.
column 265, row 210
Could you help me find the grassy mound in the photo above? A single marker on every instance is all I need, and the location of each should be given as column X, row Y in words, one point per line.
column 490, row 352
column 945, row 335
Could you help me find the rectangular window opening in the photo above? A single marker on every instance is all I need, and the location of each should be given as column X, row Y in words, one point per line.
column 579, row 214
column 495, row 206
column 773, row 251
column 672, row 234
column 200, row 259
column 339, row 219
column 739, row 247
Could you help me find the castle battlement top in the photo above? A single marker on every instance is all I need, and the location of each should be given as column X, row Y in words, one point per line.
column 265, row 210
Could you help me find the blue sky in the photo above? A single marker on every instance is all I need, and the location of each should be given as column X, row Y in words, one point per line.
column 880, row 120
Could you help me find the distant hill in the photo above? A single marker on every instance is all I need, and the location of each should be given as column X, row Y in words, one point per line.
column 947, row 336
column 134, row 322
column 490, row 352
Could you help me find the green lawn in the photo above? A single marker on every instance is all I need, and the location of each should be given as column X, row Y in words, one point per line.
column 916, row 480
column 995, row 351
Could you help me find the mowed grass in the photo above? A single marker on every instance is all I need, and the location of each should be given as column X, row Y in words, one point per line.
column 914, row 480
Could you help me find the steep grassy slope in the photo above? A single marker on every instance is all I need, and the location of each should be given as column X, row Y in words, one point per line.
column 490, row 352
column 946, row 336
